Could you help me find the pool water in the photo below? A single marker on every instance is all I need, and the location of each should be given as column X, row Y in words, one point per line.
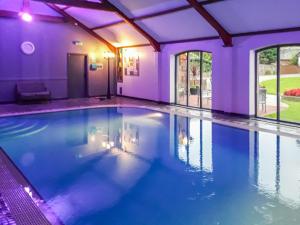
column 129, row 166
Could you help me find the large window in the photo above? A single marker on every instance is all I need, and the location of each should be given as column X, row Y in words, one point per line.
column 278, row 83
column 193, row 79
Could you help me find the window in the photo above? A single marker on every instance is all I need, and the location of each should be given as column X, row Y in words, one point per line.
column 278, row 83
column 193, row 79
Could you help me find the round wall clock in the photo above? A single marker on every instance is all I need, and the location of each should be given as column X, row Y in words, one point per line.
column 27, row 47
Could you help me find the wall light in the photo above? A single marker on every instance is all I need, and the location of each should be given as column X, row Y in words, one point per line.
column 93, row 57
column 24, row 14
column 94, row 62
column 109, row 55
column 131, row 53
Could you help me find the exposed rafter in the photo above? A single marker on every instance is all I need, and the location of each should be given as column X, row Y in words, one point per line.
column 108, row 25
column 162, row 12
column 80, row 4
column 226, row 37
column 45, row 18
column 75, row 21
column 131, row 22
column 66, row 7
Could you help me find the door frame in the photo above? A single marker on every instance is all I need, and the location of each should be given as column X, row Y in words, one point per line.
column 277, row 82
column 86, row 81
column 187, row 81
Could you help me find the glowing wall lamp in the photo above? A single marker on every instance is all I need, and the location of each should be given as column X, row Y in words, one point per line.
column 130, row 53
column 108, row 56
column 24, row 14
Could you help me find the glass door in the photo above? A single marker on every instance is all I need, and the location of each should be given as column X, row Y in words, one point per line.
column 193, row 79
column 266, row 83
column 289, row 84
column 181, row 79
column 206, row 80
column 278, row 83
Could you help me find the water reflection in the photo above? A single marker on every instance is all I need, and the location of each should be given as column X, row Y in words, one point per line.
column 152, row 168
column 193, row 143
column 278, row 168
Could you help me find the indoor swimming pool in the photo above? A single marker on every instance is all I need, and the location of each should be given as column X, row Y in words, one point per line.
column 131, row 166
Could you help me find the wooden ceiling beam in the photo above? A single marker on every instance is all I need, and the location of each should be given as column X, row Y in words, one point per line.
column 131, row 22
column 80, row 4
column 108, row 25
column 44, row 18
column 161, row 13
column 176, row 9
column 84, row 27
column 226, row 37
column 66, row 7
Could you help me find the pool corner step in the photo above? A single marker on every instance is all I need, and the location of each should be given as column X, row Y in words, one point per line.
column 20, row 202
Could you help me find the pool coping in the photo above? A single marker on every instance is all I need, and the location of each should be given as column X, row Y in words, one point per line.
column 245, row 124
column 24, row 205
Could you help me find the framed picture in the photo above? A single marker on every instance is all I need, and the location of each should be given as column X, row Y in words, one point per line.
column 131, row 66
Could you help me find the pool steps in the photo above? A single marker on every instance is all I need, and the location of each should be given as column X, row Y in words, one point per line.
column 20, row 128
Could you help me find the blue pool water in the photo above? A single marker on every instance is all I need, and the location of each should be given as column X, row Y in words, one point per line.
column 126, row 166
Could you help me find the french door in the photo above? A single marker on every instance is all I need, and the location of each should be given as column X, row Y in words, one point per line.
column 278, row 83
column 194, row 79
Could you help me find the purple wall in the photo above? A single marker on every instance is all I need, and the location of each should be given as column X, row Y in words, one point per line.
column 220, row 69
column 49, row 62
column 233, row 76
column 233, row 73
column 145, row 85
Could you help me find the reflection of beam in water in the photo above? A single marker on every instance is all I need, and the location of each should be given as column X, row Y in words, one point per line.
column 115, row 173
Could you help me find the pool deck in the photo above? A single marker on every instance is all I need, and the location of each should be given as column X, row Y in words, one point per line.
column 85, row 103
column 20, row 204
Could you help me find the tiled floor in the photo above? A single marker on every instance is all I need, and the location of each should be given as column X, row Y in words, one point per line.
column 33, row 207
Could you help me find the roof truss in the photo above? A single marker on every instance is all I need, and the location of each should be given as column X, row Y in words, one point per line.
column 131, row 22
column 75, row 21
column 102, row 5
column 80, row 4
column 160, row 13
column 45, row 18
column 226, row 37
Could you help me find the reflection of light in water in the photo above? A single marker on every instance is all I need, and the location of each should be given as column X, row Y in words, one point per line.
column 114, row 175
column 193, row 150
column 278, row 170
column 267, row 163
column 152, row 120
column 289, row 185
column 207, row 146
column 155, row 115
column 93, row 138
column 195, row 147
column 182, row 155
column 185, row 141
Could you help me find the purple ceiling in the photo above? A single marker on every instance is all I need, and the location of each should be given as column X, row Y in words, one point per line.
column 235, row 16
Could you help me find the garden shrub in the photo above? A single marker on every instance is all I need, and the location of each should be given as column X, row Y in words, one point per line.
column 293, row 92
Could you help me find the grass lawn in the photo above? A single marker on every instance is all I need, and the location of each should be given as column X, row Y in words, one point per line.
column 292, row 113
column 285, row 84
